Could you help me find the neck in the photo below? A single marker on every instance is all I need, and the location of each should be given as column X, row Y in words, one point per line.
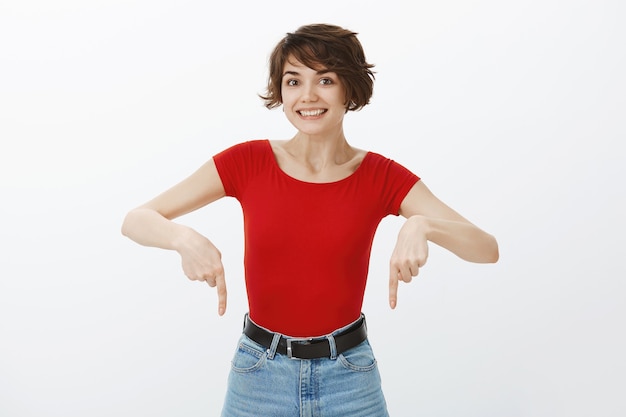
column 319, row 152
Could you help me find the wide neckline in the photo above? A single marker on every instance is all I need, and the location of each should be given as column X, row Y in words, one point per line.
column 283, row 173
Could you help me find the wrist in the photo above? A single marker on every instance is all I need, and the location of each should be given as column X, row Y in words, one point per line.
column 182, row 238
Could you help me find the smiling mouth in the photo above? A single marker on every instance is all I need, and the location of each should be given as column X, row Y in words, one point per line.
column 311, row 113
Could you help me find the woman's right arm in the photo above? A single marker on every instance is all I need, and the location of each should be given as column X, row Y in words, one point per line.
column 151, row 225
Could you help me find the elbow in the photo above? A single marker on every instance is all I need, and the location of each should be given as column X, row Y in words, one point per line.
column 124, row 228
column 127, row 224
column 485, row 252
column 493, row 254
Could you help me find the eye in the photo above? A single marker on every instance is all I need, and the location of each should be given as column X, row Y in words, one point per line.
column 291, row 82
column 326, row 81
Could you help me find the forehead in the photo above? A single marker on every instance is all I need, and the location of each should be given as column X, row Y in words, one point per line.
column 293, row 64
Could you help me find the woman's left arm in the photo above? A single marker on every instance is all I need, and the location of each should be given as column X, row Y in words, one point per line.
column 429, row 219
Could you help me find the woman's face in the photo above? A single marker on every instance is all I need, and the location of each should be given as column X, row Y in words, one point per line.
column 313, row 100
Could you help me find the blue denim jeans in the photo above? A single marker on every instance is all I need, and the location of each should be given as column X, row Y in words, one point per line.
column 264, row 383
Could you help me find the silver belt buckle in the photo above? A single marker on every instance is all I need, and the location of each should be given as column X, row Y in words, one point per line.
column 304, row 341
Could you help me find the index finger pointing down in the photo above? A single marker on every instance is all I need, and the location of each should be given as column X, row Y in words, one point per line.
column 221, row 294
column 393, row 290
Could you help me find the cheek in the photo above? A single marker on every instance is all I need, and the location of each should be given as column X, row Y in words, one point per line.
column 339, row 96
column 285, row 97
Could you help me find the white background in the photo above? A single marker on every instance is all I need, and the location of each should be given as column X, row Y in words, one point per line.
column 511, row 112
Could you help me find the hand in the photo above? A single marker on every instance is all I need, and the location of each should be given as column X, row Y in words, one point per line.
column 202, row 261
column 409, row 255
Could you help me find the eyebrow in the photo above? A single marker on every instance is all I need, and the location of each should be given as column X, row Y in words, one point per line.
column 296, row 73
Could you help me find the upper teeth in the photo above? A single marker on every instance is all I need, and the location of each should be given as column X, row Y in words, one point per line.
column 311, row 112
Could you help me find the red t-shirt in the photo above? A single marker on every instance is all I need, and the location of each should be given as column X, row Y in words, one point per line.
column 307, row 245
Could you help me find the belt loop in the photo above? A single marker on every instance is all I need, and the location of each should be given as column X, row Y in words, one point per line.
column 333, row 346
column 271, row 351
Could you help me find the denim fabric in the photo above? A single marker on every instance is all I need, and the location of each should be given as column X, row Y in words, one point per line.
column 263, row 383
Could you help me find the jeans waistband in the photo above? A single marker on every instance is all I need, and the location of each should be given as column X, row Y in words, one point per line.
column 308, row 348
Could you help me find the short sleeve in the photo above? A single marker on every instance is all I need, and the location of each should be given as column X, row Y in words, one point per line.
column 401, row 180
column 392, row 181
column 237, row 165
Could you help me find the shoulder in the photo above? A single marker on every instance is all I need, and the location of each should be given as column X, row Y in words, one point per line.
column 241, row 162
column 381, row 163
column 243, row 149
column 388, row 173
column 250, row 153
column 254, row 145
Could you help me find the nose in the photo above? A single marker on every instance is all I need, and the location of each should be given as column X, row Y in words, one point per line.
column 308, row 93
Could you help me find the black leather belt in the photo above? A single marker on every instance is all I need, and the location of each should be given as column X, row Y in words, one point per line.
column 308, row 348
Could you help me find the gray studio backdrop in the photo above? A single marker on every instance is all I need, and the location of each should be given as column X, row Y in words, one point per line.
column 511, row 112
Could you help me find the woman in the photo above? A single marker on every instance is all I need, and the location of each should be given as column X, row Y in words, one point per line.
column 311, row 206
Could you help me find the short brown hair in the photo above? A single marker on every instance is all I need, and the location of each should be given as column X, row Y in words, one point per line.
column 321, row 45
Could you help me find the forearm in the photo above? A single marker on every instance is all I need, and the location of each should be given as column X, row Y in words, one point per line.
column 149, row 228
column 461, row 238
column 201, row 261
